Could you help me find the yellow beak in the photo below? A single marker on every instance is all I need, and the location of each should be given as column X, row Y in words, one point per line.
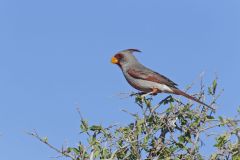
column 114, row 60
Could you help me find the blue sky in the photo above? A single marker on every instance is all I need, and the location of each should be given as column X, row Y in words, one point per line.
column 55, row 57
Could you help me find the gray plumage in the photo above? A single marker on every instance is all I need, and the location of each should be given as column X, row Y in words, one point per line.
column 145, row 79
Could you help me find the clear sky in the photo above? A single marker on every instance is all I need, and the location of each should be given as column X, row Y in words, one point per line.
column 55, row 57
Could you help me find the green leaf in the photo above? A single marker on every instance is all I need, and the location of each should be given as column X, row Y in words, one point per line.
column 96, row 153
column 139, row 99
column 236, row 157
column 170, row 109
column 105, row 153
column 84, row 126
column 222, row 140
column 214, row 86
column 222, row 120
column 196, row 122
column 181, row 139
column 45, row 139
column 96, row 128
column 210, row 90
column 140, row 122
column 213, row 156
column 75, row 150
column 210, row 117
column 180, row 145
column 168, row 99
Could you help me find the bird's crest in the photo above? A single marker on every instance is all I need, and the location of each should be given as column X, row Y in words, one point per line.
column 131, row 50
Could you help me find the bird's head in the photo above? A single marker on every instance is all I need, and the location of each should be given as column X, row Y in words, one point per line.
column 124, row 57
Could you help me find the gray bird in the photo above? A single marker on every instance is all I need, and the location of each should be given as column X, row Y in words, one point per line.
column 144, row 79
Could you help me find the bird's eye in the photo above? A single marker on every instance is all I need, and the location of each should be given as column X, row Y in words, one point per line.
column 119, row 56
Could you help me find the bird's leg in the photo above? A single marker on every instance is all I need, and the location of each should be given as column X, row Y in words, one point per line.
column 154, row 92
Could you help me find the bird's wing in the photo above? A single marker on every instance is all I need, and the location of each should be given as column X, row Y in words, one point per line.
column 148, row 75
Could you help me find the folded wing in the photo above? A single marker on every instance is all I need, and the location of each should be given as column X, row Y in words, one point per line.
column 149, row 75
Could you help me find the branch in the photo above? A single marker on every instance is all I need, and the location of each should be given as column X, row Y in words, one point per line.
column 44, row 140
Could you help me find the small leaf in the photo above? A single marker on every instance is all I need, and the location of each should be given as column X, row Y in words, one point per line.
column 140, row 122
column 210, row 117
column 214, row 86
column 222, row 140
column 45, row 139
column 75, row 150
column 105, row 153
column 180, row 145
column 181, row 139
column 84, row 126
column 145, row 140
column 170, row 109
column 96, row 153
column 210, row 90
column 214, row 156
column 221, row 119
column 95, row 128
column 236, row 157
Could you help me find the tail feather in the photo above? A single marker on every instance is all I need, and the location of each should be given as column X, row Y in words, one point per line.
column 179, row 92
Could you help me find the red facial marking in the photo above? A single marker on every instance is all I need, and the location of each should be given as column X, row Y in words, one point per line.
column 118, row 56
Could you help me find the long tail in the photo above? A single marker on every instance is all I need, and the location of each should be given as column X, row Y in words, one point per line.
column 179, row 92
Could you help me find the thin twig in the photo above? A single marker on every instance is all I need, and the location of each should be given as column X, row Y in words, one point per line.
column 62, row 152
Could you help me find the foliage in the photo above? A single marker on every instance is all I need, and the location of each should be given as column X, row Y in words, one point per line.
column 179, row 132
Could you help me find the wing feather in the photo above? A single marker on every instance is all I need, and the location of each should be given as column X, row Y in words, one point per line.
column 149, row 75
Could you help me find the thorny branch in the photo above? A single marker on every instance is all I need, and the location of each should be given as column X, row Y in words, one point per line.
column 158, row 133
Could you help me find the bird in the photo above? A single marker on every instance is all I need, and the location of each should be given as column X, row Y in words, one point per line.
column 146, row 80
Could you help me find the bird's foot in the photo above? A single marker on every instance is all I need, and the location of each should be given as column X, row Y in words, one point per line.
column 154, row 92
column 145, row 94
column 137, row 94
column 149, row 93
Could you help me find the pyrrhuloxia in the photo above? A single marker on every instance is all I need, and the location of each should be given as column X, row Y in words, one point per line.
column 144, row 79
